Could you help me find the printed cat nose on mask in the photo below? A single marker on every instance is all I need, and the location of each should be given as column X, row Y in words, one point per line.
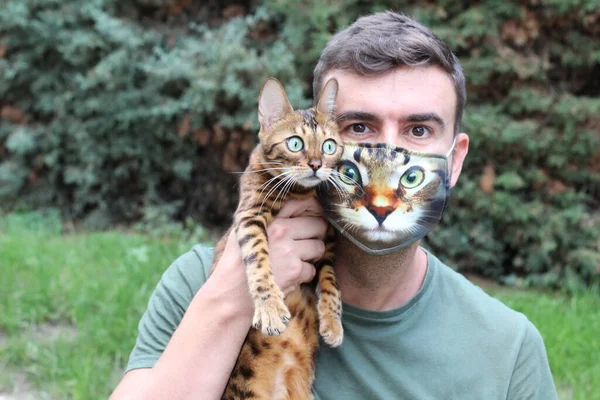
column 385, row 197
column 380, row 211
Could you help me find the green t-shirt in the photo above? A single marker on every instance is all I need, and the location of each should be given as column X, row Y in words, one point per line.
column 451, row 341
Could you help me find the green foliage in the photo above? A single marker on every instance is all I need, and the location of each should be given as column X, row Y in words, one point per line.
column 103, row 98
column 119, row 111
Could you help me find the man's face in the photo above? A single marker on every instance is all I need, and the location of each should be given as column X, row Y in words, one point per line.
column 412, row 108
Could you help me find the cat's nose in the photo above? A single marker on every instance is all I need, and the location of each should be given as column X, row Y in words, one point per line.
column 314, row 165
column 380, row 213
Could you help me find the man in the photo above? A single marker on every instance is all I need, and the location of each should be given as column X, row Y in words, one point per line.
column 414, row 329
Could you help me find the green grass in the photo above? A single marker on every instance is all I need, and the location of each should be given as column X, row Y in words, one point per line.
column 99, row 283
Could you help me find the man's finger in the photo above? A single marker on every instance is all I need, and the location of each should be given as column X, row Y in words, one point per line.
column 308, row 272
column 309, row 250
column 306, row 207
column 304, row 227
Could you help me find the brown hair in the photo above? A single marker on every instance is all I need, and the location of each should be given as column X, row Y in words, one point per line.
column 378, row 43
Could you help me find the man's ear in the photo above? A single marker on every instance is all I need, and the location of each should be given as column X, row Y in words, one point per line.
column 461, row 148
column 273, row 103
column 326, row 104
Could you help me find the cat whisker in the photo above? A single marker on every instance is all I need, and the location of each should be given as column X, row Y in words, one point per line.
column 283, row 192
column 337, row 174
column 347, row 226
column 413, row 229
column 429, row 222
column 257, row 170
column 293, row 180
column 429, row 216
column 262, row 171
column 327, row 184
column 341, row 193
column 265, row 185
column 282, row 181
column 277, row 185
column 352, row 229
column 286, row 189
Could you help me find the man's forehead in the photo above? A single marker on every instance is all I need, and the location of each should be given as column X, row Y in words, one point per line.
column 403, row 91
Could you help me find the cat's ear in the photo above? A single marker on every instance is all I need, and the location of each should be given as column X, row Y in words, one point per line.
column 273, row 104
column 326, row 104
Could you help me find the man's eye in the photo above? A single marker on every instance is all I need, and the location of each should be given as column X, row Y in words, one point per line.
column 420, row 131
column 358, row 128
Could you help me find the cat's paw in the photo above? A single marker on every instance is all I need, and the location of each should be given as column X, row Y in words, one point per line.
column 331, row 330
column 271, row 316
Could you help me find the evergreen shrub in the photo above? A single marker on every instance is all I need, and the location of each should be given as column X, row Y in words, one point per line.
column 125, row 111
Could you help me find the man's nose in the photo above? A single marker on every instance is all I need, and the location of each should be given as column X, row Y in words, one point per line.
column 389, row 134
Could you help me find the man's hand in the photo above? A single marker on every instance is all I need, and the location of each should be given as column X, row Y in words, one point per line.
column 295, row 240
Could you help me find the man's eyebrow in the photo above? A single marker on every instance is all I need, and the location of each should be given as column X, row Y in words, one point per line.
column 425, row 117
column 357, row 116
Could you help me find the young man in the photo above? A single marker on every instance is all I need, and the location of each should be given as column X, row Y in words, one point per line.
column 414, row 329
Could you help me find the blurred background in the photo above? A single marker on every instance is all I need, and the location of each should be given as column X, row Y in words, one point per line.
column 122, row 122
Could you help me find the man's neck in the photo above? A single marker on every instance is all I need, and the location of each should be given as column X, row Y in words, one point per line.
column 379, row 282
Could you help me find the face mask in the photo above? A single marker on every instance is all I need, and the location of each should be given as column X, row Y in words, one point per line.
column 384, row 198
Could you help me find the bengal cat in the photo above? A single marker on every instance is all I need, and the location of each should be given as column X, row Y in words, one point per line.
column 297, row 151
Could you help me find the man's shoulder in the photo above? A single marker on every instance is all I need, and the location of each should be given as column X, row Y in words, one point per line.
column 168, row 303
column 475, row 307
column 190, row 270
column 500, row 338
column 495, row 336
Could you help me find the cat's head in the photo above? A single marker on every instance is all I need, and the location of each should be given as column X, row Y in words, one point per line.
column 386, row 195
column 303, row 145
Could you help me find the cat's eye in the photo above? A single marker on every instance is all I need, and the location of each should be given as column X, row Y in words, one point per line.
column 295, row 144
column 412, row 178
column 349, row 174
column 329, row 147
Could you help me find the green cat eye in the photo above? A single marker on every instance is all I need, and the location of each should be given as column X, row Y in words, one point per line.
column 295, row 144
column 349, row 174
column 329, row 146
column 412, row 178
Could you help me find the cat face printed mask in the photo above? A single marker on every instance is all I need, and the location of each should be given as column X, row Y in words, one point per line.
column 384, row 198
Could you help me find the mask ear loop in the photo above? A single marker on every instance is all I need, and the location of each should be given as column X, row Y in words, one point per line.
column 451, row 148
column 448, row 154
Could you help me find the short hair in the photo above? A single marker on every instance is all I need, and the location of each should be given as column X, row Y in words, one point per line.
column 380, row 42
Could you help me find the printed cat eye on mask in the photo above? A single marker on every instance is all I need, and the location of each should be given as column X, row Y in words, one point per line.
column 384, row 198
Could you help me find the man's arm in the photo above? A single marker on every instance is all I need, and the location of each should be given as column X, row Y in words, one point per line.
column 532, row 378
column 201, row 353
